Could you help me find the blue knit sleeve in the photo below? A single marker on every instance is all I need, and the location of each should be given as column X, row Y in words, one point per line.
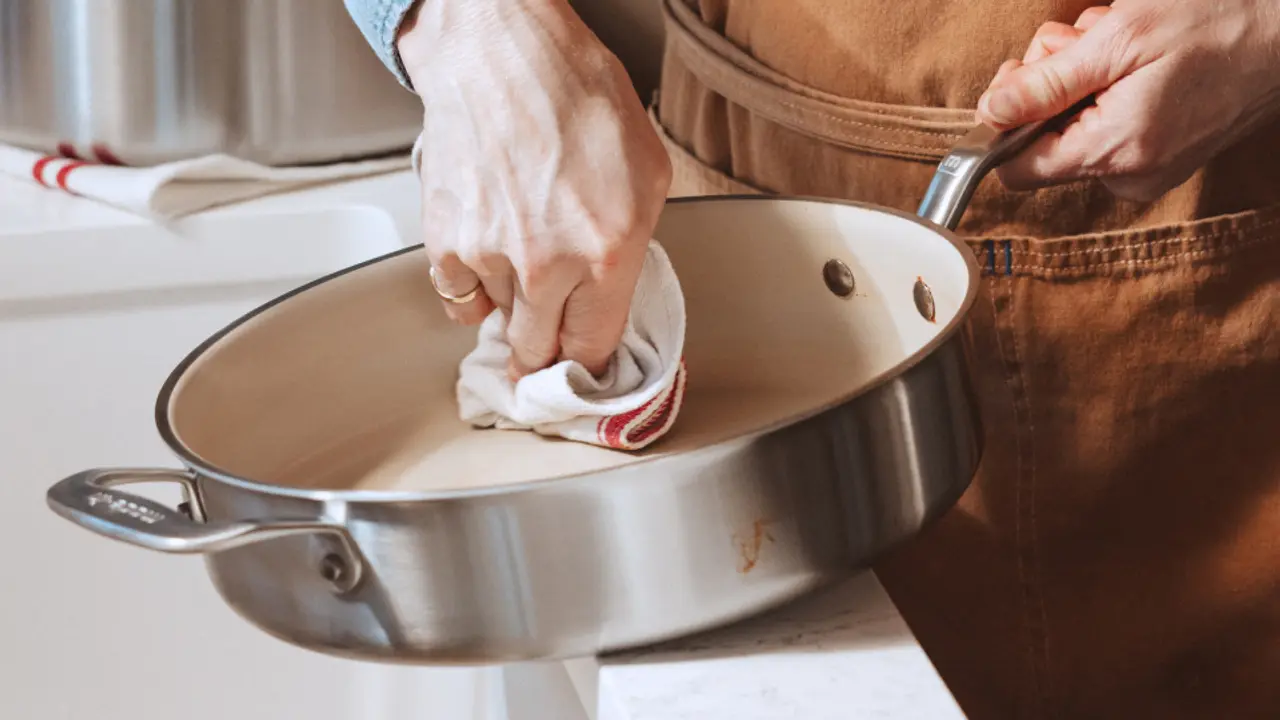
column 378, row 21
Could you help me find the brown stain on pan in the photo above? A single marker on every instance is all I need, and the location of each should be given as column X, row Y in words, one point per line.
column 749, row 547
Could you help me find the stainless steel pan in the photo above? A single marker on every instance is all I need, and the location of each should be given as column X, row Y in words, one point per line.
column 828, row 418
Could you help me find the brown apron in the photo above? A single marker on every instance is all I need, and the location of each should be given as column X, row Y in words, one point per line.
column 1119, row 553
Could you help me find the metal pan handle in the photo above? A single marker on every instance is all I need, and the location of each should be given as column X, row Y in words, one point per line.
column 976, row 154
column 90, row 499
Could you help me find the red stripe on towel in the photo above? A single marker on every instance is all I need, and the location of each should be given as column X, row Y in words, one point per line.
column 37, row 169
column 660, row 421
column 65, row 171
column 612, row 430
column 105, row 156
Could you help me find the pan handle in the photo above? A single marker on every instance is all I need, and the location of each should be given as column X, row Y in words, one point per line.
column 90, row 499
column 976, row 154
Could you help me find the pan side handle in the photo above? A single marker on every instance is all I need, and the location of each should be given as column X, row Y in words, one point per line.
column 92, row 500
column 976, row 154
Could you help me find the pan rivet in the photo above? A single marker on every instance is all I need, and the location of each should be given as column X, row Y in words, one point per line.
column 333, row 568
column 839, row 277
column 924, row 300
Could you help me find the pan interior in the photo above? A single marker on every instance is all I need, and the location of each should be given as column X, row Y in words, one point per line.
column 350, row 384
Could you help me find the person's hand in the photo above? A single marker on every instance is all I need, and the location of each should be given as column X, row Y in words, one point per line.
column 542, row 179
column 1174, row 83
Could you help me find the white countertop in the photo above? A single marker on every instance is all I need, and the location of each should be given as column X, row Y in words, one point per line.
column 841, row 653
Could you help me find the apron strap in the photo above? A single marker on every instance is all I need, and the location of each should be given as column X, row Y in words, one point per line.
column 903, row 131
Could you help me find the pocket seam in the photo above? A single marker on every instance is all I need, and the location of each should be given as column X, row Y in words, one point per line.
column 1152, row 248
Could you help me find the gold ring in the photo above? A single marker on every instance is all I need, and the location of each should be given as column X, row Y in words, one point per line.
column 455, row 299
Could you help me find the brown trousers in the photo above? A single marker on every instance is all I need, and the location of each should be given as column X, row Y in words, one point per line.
column 1118, row 555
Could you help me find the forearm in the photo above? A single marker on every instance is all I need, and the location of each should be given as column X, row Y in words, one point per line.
column 379, row 22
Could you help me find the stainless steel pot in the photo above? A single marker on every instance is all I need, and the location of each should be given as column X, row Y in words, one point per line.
column 281, row 82
column 299, row 423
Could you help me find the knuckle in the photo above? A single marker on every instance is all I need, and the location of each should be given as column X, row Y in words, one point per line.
column 539, row 271
column 1137, row 155
column 1125, row 26
column 1052, row 84
column 470, row 259
column 1126, row 152
column 608, row 257
column 479, row 260
column 1131, row 160
column 467, row 253
column 1053, row 29
column 607, row 233
column 1092, row 14
column 1119, row 41
column 615, row 262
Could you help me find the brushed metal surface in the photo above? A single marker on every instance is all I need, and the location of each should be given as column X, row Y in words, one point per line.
column 280, row 82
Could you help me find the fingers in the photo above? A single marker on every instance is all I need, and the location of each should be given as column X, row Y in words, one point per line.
column 1050, row 38
column 1067, row 64
column 1091, row 16
column 1043, row 89
column 452, row 277
column 1047, row 161
column 1005, row 68
column 1066, row 156
column 534, row 327
column 594, row 318
column 1002, row 72
column 1056, row 157
column 442, row 214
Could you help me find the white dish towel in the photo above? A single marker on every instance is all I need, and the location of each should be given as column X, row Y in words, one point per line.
column 178, row 188
column 631, row 406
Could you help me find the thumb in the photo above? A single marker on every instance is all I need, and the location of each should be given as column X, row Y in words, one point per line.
column 1042, row 89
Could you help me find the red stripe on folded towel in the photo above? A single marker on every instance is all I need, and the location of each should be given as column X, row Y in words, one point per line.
column 658, row 423
column 655, row 418
column 61, row 178
column 37, row 169
column 105, row 156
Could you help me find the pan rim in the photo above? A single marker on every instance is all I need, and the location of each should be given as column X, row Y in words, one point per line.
column 199, row 465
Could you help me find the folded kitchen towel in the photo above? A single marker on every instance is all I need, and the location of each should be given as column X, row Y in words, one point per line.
column 633, row 404
column 178, row 188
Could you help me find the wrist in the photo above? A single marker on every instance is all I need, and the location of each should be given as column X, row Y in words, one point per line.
column 410, row 45
column 436, row 33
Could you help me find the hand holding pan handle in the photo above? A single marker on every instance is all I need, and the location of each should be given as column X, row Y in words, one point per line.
column 978, row 152
column 91, row 500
